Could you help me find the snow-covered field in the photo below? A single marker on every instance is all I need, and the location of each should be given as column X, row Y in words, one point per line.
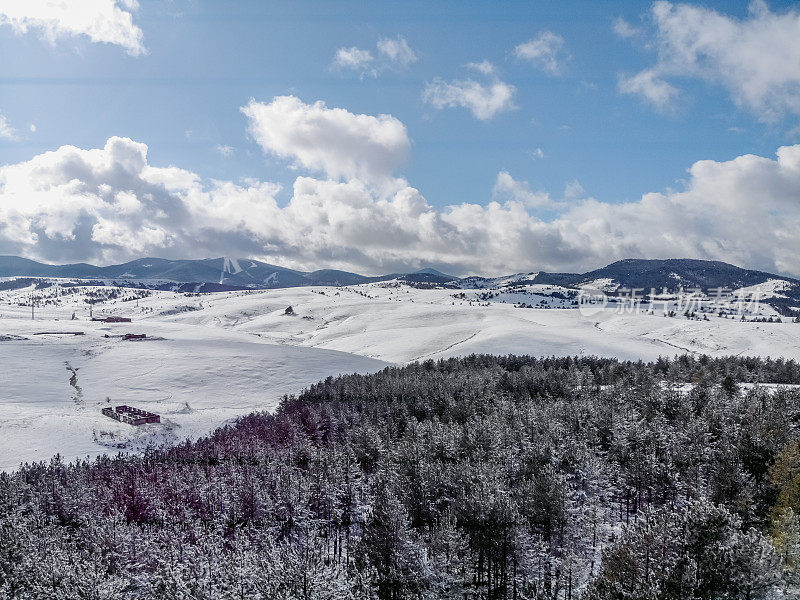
column 208, row 358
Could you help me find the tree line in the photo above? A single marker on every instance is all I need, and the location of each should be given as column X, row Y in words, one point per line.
column 478, row 477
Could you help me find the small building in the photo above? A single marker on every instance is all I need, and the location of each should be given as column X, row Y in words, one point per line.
column 134, row 336
column 131, row 415
column 112, row 319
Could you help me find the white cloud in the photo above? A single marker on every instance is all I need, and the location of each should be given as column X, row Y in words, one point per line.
column 397, row 51
column 484, row 100
column 330, row 140
column 225, row 151
column 538, row 153
column 507, row 188
column 7, row 132
column 32, row 128
column 484, row 67
column 757, row 59
column 107, row 204
column 649, row 86
column 624, row 29
column 392, row 53
column 355, row 59
column 743, row 211
column 546, row 51
column 105, row 21
column 574, row 189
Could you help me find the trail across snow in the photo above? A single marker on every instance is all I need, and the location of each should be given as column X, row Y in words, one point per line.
column 53, row 387
column 210, row 358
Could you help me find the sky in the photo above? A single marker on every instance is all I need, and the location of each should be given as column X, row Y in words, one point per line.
column 473, row 137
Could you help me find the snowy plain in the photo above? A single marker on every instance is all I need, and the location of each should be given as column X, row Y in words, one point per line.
column 212, row 357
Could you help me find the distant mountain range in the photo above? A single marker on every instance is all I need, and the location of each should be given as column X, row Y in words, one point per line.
column 670, row 274
column 217, row 274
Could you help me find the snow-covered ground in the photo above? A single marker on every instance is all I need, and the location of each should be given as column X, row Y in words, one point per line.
column 208, row 358
column 769, row 289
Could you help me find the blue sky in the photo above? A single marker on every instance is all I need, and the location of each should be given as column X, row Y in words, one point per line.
column 568, row 120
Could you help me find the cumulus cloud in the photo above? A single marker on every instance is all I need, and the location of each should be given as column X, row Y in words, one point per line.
column 109, row 204
column 329, row 140
column 7, row 132
column 392, row 53
column 104, row 21
column 545, row 51
column 484, row 100
column 225, row 151
column 743, row 211
column 757, row 59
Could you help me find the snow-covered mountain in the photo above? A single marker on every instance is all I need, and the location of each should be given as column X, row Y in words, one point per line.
column 230, row 272
column 220, row 274
column 217, row 274
column 671, row 274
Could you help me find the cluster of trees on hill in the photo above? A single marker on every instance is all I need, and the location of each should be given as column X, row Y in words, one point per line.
column 477, row 477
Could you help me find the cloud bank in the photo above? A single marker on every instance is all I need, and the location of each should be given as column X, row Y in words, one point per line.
column 105, row 21
column 109, row 204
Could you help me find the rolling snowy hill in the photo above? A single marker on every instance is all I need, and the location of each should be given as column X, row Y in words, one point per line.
column 210, row 357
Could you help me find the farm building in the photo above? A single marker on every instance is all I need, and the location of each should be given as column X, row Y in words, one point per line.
column 131, row 415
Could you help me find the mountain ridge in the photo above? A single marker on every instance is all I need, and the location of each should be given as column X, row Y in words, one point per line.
column 237, row 273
